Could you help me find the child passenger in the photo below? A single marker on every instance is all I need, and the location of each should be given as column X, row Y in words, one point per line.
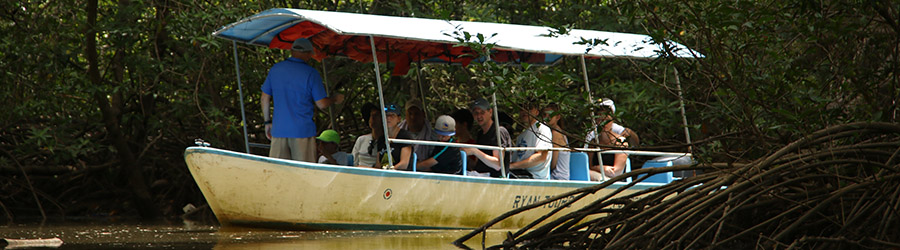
column 444, row 159
column 328, row 142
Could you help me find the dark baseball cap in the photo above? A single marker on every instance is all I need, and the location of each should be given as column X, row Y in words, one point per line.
column 480, row 103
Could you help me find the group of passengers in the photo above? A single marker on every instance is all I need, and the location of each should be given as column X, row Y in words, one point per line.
column 542, row 132
column 296, row 90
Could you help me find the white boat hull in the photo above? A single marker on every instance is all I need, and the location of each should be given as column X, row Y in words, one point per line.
column 255, row 191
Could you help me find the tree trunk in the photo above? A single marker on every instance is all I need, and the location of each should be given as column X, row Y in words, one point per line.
column 135, row 175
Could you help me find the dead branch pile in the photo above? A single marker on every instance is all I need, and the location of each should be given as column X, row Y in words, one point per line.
column 834, row 189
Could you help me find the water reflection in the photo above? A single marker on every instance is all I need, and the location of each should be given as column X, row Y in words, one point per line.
column 213, row 237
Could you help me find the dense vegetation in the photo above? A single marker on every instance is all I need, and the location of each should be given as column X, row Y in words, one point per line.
column 102, row 97
column 832, row 189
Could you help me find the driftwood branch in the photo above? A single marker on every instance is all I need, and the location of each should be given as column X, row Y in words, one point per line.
column 835, row 188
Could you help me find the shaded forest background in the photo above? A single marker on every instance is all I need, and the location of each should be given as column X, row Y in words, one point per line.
column 101, row 97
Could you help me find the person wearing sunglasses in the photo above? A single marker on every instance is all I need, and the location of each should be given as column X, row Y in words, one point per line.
column 630, row 136
column 362, row 155
column 613, row 163
column 400, row 153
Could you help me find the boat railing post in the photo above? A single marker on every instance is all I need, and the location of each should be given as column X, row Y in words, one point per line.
column 502, row 162
column 385, row 133
column 596, row 139
column 237, row 70
column 687, row 133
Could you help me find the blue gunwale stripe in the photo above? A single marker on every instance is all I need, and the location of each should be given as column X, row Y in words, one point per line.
column 407, row 174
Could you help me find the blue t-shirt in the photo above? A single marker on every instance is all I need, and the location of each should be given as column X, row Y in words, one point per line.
column 295, row 87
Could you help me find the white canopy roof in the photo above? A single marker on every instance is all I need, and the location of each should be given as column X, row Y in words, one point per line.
column 260, row 29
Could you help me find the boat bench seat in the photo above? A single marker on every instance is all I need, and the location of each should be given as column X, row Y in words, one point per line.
column 579, row 169
column 665, row 161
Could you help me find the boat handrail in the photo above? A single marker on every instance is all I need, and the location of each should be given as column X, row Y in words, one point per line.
column 466, row 145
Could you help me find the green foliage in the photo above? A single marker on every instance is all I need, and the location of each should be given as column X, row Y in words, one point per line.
column 772, row 72
column 776, row 70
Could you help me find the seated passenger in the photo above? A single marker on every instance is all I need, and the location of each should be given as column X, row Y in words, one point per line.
column 536, row 135
column 416, row 125
column 362, row 154
column 444, row 159
column 630, row 136
column 400, row 153
column 488, row 160
column 613, row 164
column 559, row 164
column 327, row 146
column 464, row 121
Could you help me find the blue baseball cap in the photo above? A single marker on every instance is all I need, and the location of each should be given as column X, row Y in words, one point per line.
column 392, row 108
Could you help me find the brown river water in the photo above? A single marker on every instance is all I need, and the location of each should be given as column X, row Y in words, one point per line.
column 135, row 236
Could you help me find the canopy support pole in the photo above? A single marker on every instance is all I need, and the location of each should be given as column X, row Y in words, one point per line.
column 587, row 88
column 502, row 160
column 687, row 133
column 237, row 70
column 385, row 133
column 421, row 90
column 330, row 107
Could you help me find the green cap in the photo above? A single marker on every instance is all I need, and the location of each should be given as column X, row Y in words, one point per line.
column 329, row 135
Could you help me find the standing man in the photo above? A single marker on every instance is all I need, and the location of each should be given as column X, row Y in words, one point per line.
column 488, row 160
column 296, row 89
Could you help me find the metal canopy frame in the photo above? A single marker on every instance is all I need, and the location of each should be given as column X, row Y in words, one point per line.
column 512, row 42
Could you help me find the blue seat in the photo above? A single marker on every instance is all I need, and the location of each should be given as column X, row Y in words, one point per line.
column 413, row 162
column 661, row 177
column 578, row 167
column 465, row 161
column 627, row 169
column 350, row 160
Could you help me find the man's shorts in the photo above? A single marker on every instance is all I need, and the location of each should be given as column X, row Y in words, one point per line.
column 298, row 149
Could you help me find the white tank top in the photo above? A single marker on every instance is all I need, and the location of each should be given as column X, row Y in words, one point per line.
column 562, row 165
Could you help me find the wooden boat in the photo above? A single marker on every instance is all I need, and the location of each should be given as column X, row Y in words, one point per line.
column 257, row 191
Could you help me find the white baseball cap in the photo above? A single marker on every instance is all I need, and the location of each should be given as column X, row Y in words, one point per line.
column 445, row 125
column 608, row 102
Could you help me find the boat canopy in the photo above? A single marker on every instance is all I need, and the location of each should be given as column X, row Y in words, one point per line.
column 402, row 40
